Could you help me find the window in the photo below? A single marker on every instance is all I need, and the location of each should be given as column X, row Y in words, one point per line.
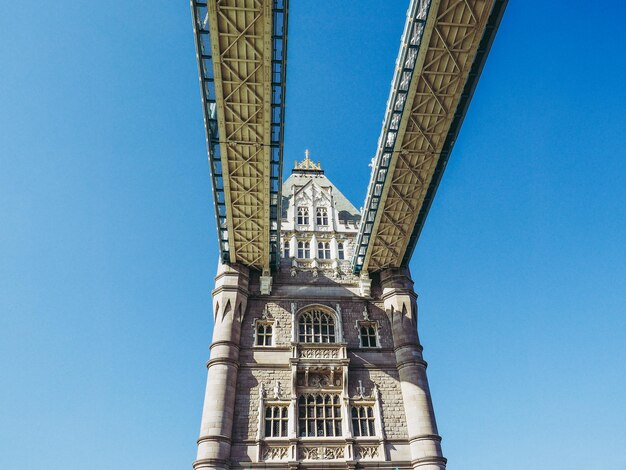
column 323, row 250
column 363, row 421
column 303, row 216
column 264, row 334
column 276, row 420
column 304, row 250
column 321, row 216
column 340, row 252
column 368, row 335
column 319, row 415
column 286, row 249
column 316, row 326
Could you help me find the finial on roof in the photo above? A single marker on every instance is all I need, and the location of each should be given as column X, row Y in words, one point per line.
column 307, row 164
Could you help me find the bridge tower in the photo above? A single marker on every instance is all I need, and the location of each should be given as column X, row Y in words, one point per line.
column 315, row 361
column 326, row 369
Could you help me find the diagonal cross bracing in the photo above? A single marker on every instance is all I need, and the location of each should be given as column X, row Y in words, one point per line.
column 443, row 50
column 241, row 48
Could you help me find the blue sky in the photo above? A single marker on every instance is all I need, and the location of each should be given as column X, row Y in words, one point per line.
column 107, row 245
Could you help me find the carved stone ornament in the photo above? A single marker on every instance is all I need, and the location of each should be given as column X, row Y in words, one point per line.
column 360, row 389
column 321, row 353
column 277, row 391
column 302, row 199
column 366, row 452
column 276, row 453
column 318, row 380
column 321, row 377
column 262, row 391
column 366, row 315
column 320, row 200
column 266, row 314
column 321, row 453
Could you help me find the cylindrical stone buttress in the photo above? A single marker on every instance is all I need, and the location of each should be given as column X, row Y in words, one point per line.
column 400, row 304
column 229, row 301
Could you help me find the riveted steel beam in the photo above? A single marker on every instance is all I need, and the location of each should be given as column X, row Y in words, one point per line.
column 443, row 49
column 241, row 47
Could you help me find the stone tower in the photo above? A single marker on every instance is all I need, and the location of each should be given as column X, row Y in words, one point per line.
column 325, row 371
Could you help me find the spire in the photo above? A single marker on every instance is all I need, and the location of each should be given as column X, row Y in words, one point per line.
column 307, row 164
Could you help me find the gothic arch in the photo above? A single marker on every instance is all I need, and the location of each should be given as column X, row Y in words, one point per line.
column 335, row 316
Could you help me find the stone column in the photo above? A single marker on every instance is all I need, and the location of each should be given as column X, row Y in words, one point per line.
column 229, row 306
column 313, row 246
column 339, row 326
column 293, row 246
column 401, row 307
column 333, row 248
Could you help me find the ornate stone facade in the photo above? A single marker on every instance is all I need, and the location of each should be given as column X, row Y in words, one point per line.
column 290, row 402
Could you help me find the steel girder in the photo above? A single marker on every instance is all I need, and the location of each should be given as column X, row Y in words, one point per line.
column 444, row 47
column 241, row 47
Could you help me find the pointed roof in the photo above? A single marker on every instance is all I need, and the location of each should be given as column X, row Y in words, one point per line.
column 307, row 172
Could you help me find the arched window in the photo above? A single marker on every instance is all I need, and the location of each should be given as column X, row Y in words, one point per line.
column 286, row 249
column 323, row 250
column 315, row 326
column 319, row 415
column 303, row 216
column 304, row 250
column 321, row 216
column 340, row 252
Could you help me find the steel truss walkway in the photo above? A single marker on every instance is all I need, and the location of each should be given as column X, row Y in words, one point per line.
column 241, row 48
column 444, row 47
